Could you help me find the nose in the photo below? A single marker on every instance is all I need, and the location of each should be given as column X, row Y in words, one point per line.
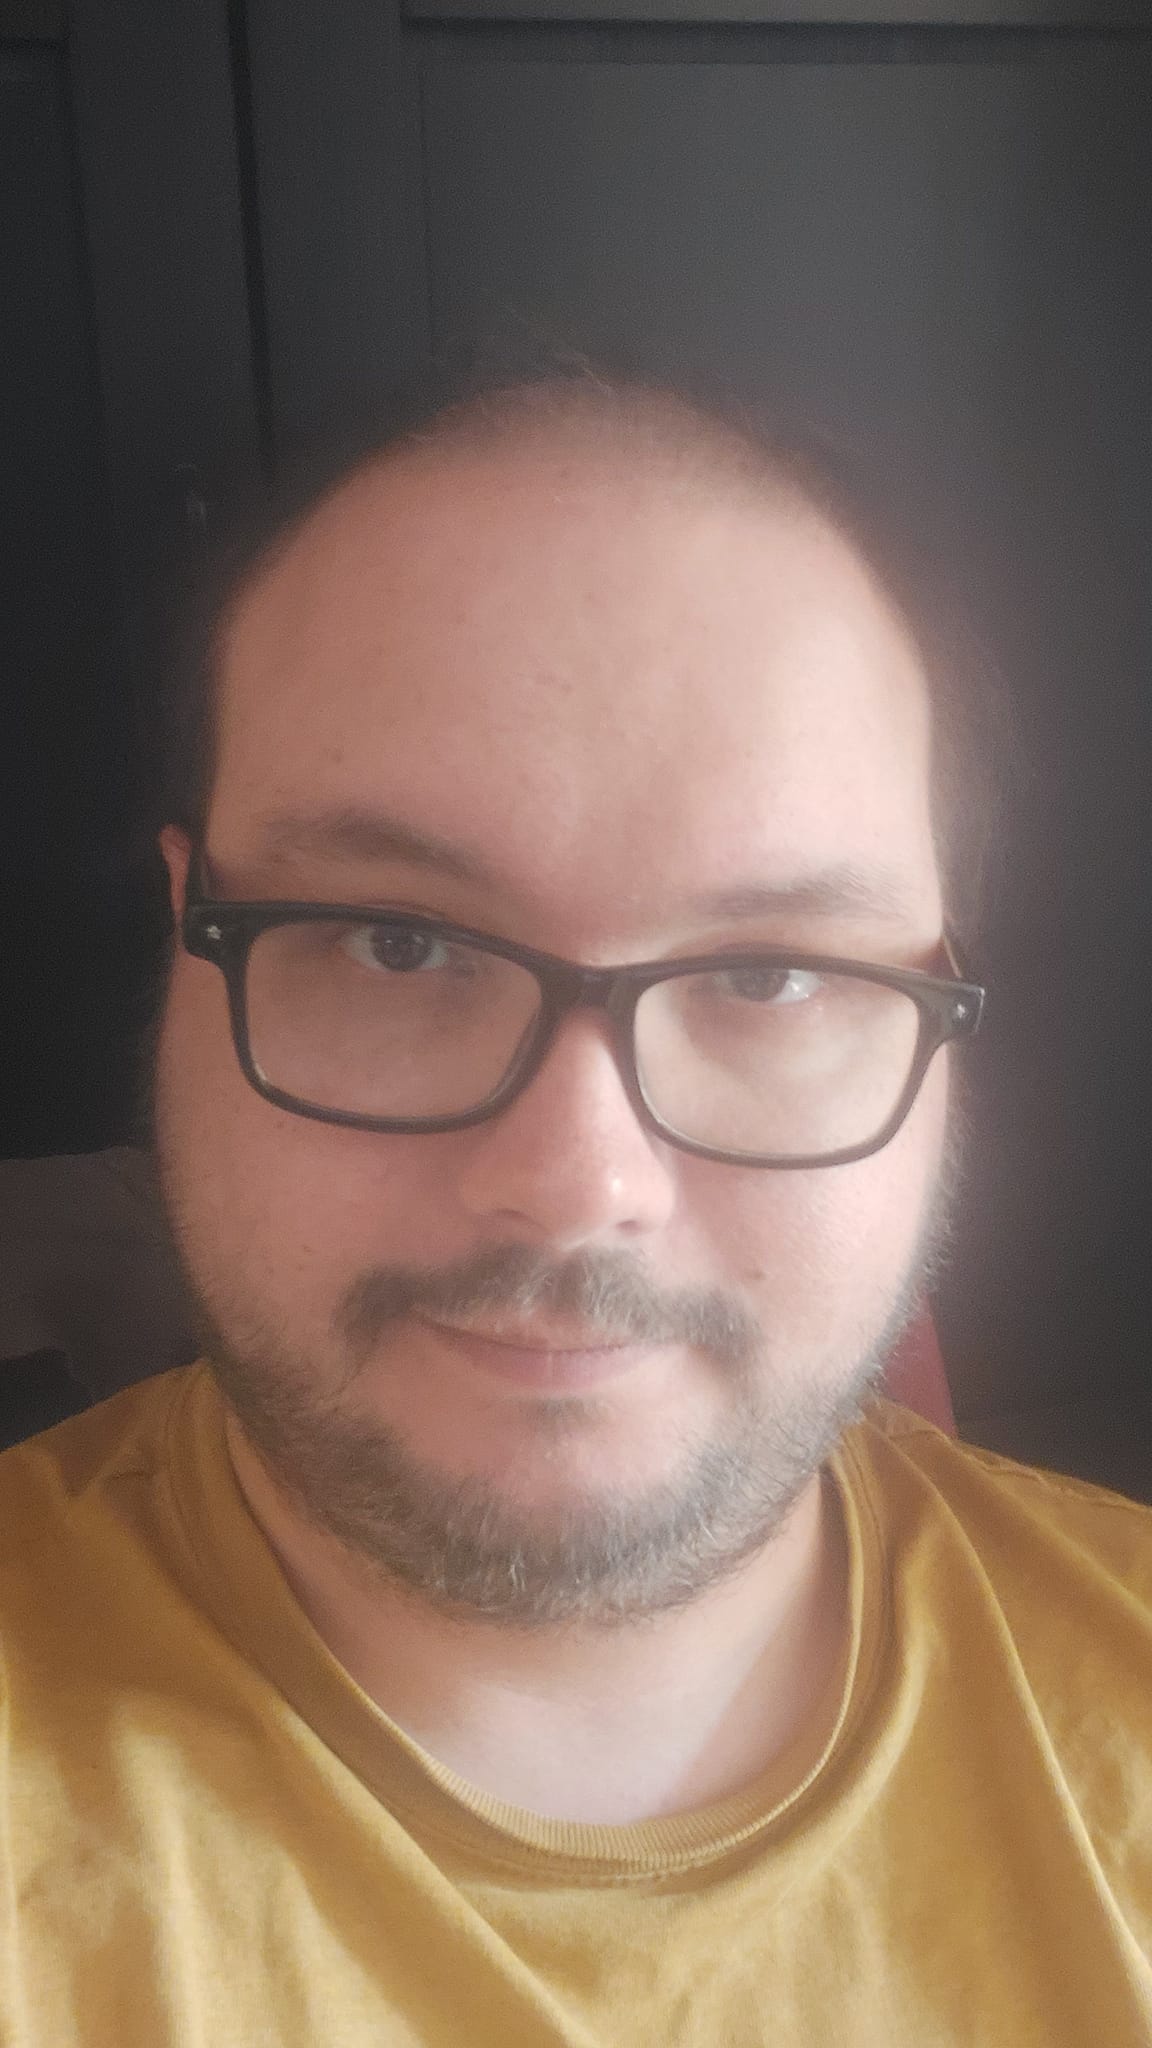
column 568, row 1162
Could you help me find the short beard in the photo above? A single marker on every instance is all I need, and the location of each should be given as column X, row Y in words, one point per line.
column 460, row 1544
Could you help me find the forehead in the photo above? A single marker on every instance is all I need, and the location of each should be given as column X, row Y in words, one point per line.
column 570, row 668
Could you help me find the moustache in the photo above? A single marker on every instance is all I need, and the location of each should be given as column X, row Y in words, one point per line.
column 607, row 1294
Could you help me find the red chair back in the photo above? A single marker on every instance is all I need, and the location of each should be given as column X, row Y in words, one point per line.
column 916, row 1377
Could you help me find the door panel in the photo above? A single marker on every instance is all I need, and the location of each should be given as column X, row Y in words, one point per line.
column 125, row 368
column 838, row 13
column 68, row 712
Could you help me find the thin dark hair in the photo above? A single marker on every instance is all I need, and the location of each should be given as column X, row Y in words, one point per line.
column 703, row 434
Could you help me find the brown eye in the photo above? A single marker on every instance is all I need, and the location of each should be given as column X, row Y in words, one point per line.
column 759, row 983
column 397, row 948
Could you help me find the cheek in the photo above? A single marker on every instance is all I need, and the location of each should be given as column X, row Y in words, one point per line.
column 829, row 1251
column 285, row 1203
column 283, row 1212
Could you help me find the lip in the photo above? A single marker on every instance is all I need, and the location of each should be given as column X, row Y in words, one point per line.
column 539, row 1361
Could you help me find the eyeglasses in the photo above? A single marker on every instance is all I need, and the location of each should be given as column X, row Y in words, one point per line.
column 388, row 1021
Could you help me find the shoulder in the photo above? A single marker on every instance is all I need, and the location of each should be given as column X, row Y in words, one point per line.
column 56, row 1486
column 1027, row 1531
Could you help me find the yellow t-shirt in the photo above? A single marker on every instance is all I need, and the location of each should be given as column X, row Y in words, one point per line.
column 211, row 1838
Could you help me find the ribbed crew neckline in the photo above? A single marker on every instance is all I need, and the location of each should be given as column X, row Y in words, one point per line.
column 245, row 1589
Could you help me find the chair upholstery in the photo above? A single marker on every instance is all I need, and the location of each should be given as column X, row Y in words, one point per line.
column 916, row 1376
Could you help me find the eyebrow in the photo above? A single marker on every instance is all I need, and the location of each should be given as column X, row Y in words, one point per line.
column 374, row 837
column 837, row 891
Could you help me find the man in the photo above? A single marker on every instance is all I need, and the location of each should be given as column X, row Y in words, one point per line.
column 526, row 1628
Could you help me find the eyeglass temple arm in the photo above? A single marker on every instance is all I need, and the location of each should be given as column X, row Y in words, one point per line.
column 957, row 965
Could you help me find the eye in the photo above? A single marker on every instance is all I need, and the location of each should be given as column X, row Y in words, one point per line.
column 397, row 948
column 759, row 982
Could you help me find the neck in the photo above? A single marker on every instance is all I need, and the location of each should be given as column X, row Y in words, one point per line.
column 612, row 1725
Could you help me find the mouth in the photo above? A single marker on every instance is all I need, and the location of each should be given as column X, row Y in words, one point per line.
column 537, row 1355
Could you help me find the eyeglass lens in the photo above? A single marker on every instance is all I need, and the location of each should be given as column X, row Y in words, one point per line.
column 390, row 1022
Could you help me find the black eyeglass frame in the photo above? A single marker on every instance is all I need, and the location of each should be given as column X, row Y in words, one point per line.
column 223, row 931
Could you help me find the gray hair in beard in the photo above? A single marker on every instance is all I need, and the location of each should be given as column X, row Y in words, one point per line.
column 461, row 1544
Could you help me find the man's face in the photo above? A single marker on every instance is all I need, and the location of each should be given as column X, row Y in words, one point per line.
column 615, row 717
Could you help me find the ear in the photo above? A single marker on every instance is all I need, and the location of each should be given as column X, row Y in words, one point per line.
column 176, row 848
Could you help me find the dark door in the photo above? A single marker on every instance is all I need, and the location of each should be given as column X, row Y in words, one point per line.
column 127, row 404
column 68, row 717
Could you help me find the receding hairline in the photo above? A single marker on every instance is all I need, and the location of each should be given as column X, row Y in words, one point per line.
column 705, row 443
column 631, row 430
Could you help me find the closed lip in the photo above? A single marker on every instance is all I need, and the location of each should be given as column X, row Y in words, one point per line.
column 539, row 1358
column 535, row 1337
